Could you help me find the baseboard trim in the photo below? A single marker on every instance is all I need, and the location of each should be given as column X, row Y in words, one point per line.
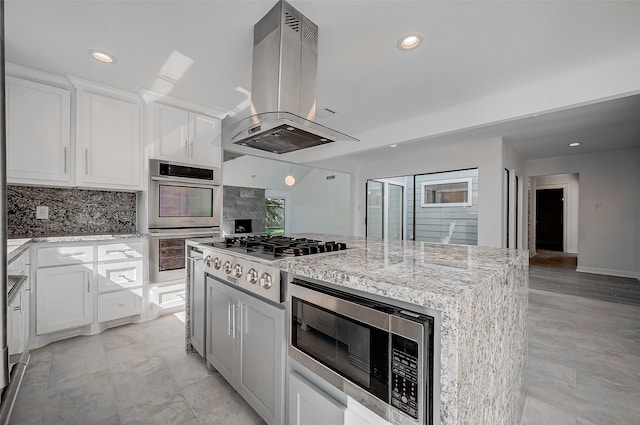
column 608, row 272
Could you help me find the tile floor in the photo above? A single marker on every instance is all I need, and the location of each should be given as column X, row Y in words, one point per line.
column 134, row 374
column 583, row 368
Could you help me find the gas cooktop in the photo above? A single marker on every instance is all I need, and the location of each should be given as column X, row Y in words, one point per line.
column 275, row 247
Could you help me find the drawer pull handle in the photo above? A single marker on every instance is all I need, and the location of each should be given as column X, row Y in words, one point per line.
column 73, row 255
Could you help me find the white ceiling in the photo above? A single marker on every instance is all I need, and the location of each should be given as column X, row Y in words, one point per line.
column 471, row 49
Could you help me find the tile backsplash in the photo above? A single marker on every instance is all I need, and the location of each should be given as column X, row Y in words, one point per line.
column 71, row 211
column 243, row 203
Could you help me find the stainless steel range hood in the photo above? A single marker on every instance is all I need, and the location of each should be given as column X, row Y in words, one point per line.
column 283, row 90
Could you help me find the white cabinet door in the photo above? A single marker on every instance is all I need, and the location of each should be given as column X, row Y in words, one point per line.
column 185, row 136
column 108, row 143
column 309, row 405
column 16, row 324
column 63, row 299
column 38, row 133
column 170, row 133
column 206, row 144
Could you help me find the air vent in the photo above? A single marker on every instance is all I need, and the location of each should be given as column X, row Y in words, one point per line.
column 291, row 21
column 310, row 34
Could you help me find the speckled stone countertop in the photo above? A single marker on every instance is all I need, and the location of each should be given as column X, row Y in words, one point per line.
column 405, row 270
column 16, row 246
column 481, row 294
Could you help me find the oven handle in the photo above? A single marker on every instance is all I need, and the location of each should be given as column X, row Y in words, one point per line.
column 190, row 182
column 173, row 234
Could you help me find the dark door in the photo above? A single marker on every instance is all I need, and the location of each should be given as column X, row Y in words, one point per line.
column 550, row 216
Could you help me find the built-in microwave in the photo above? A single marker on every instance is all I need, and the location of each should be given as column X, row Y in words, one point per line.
column 379, row 354
column 183, row 195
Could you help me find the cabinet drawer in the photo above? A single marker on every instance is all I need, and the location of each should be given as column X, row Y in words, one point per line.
column 119, row 304
column 63, row 255
column 120, row 275
column 120, row 251
column 169, row 296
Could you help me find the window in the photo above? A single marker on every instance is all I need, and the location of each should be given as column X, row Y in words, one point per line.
column 274, row 220
column 446, row 193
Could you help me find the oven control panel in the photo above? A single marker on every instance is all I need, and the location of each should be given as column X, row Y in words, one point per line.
column 257, row 278
column 405, row 391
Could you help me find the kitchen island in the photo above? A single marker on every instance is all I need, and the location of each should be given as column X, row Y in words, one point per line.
column 481, row 294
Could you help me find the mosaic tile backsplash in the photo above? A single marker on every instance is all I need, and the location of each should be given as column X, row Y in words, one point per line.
column 71, row 211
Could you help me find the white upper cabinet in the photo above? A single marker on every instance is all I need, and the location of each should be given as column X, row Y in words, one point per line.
column 108, row 139
column 185, row 136
column 38, row 133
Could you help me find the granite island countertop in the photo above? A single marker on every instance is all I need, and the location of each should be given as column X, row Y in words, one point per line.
column 481, row 294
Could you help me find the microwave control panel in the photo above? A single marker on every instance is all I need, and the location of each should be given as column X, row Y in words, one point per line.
column 405, row 390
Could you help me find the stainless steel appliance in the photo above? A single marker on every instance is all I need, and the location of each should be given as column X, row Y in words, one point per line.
column 167, row 257
column 283, row 88
column 198, row 305
column 181, row 195
column 379, row 354
column 245, row 324
column 185, row 202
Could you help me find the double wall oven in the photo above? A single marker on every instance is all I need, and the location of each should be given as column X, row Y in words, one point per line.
column 184, row 202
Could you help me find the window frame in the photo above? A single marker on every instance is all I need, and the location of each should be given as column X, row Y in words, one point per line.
column 468, row 203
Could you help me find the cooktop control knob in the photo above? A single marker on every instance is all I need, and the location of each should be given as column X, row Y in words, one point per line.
column 217, row 263
column 227, row 267
column 265, row 280
column 252, row 276
column 237, row 270
column 208, row 260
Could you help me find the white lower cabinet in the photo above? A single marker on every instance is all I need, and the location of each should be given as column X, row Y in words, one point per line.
column 116, row 305
column 18, row 309
column 64, row 298
column 245, row 343
column 309, row 405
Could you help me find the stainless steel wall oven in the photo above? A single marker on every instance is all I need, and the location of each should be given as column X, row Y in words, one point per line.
column 181, row 195
column 379, row 354
column 185, row 202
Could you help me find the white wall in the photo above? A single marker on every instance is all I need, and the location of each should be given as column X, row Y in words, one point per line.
column 570, row 184
column 319, row 205
column 313, row 203
column 609, row 205
column 434, row 156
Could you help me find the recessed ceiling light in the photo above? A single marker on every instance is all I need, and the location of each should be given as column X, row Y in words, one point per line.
column 409, row 42
column 574, row 144
column 102, row 56
column 393, row 146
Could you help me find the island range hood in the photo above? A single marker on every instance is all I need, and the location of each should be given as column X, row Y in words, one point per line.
column 283, row 89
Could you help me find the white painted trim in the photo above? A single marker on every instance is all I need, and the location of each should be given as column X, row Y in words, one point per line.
column 151, row 96
column 608, row 272
column 89, row 86
column 36, row 75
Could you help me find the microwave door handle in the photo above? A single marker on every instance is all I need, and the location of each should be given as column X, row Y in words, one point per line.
column 190, row 182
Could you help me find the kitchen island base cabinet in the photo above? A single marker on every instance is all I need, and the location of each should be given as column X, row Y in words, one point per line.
column 245, row 344
column 309, row 405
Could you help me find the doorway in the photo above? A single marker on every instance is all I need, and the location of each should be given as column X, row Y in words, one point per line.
column 385, row 209
column 550, row 219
